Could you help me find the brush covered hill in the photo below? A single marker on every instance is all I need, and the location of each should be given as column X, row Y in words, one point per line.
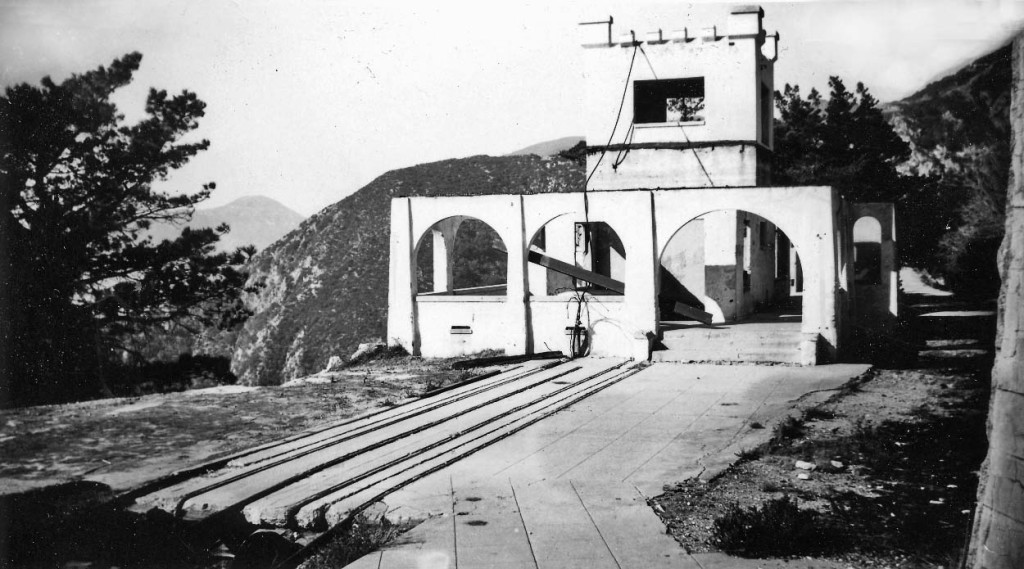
column 958, row 128
column 254, row 220
column 326, row 283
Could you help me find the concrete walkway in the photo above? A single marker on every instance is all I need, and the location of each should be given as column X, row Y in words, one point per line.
column 570, row 491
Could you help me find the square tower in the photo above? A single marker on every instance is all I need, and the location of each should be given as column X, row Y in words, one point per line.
column 696, row 106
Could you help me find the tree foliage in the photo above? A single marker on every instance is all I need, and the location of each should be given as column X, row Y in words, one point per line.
column 843, row 142
column 81, row 275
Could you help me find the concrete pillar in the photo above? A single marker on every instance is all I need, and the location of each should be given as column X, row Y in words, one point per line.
column 401, row 282
column 518, row 282
column 443, row 241
column 642, row 272
column 890, row 264
column 822, row 292
column 723, row 257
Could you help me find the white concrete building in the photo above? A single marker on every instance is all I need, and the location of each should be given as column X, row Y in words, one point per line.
column 678, row 223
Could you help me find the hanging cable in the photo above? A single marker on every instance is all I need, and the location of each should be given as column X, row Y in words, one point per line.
column 626, row 141
column 577, row 345
column 685, row 136
column 618, row 116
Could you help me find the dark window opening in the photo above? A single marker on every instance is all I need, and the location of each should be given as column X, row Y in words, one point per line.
column 668, row 100
column 781, row 255
column 867, row 251
column 867, row 263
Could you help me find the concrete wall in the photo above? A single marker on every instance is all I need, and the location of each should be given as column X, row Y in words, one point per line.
column 679, row 168
column 604, row 318
column 645, row 222
column 485, row 316
column 517, row 219
column 736, row 63
column 709, row 256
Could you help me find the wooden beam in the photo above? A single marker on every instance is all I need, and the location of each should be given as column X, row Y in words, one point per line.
column 577, row 273
column 691, row 312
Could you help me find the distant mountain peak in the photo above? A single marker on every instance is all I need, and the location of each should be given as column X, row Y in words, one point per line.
column 254, row 220
column 548, row 147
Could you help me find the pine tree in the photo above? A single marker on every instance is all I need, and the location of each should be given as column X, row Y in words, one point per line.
column 80, row 274
column 843, row 142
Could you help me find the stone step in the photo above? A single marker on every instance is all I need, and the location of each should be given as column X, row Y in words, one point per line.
column 730, row 345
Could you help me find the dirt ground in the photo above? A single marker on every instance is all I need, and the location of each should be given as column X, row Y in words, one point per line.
column 124, row 442
column 894, row 462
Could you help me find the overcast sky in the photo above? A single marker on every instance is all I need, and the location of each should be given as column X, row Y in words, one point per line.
column 308, row 101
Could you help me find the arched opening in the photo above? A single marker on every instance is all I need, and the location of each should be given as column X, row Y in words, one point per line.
column 566, row 256
column 461, row 255
column 867, row 252
column 725, row 292
column 732, row 264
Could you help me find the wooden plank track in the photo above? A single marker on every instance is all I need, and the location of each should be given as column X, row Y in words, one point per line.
column 320, row 479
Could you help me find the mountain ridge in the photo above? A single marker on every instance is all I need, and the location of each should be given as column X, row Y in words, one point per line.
column 254, row 220
column 324, row 285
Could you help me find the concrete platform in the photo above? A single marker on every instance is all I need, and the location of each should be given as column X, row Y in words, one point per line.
column 572, row 488
column 775, row 339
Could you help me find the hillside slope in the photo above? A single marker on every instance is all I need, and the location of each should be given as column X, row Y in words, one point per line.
column 254, row 220
column 326, row 283
column 959, row 131
column 956, row 114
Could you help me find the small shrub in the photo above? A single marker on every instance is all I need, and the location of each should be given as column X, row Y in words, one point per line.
column 790, row 428
column 779, row 528
column 379, row 352
column 749, row 454
column 864, row 431
column 756, row 425
column 359, row 540
column 818, row 414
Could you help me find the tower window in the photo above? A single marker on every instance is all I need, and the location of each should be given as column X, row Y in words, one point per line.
column 668, row 100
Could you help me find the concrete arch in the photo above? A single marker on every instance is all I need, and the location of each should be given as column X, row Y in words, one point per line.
column 807, row 215
column 698, row 287
column 606, row 256
column 500, row 212
column 868, row 225
column 532, row 233
column 444, row 237
column 664, row 245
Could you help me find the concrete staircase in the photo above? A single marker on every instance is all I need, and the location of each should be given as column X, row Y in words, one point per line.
column 737, row 343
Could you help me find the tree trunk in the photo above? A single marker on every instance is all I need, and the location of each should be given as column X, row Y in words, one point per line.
column 997, row 539
column 6, row 294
